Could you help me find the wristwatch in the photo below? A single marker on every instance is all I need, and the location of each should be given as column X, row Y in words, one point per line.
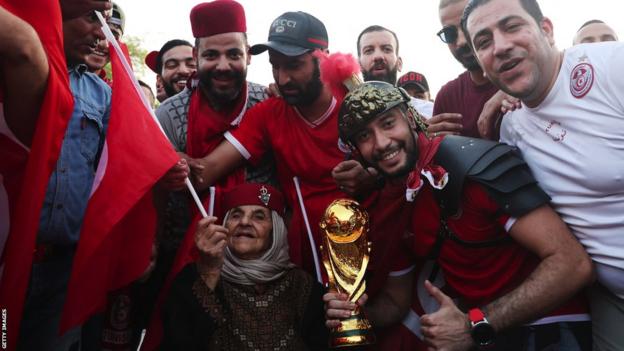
column 482, row 333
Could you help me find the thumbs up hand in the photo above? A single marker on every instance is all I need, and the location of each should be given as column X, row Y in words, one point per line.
column 447, row 329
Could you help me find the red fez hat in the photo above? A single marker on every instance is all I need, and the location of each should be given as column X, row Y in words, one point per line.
column 216, row 17
column 254, row 194
column 150, row 61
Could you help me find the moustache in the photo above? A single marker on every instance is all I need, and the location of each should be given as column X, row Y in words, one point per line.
column 288, row 86
column 379, row 155
column 224, row 74
column 380, row 65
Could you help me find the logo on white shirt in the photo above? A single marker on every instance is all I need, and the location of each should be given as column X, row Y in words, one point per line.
column 556, row 131
column 581, row 80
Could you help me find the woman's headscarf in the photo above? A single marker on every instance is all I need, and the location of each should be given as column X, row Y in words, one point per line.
column 275, row 262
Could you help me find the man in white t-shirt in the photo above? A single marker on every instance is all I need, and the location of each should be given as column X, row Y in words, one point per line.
column 570, row 130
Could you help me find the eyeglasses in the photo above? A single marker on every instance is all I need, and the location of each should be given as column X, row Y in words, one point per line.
column 448, row 34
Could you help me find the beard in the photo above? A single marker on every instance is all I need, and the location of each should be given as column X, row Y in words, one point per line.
column 411, row 152
column 305, row 95
column 465, row 56
column 389, row 77
column 222, row 96
column 170, row 90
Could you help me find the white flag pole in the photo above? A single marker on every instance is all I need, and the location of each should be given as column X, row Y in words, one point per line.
column 113, row 42
column 212, row 201
column 310, row 237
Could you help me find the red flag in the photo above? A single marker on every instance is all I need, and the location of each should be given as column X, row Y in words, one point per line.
column 120, row 220
column 24, row 173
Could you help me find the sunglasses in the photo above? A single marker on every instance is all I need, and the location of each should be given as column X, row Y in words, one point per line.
column 448, row 34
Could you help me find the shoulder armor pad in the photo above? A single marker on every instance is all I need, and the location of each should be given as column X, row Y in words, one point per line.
column 497, row 167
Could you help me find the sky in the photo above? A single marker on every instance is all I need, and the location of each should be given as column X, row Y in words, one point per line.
column 416, row 23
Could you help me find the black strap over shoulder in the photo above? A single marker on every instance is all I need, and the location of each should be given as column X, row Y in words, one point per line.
column 502, row 173
column 497, row 167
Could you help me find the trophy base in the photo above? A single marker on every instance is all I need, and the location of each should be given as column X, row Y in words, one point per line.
column 354, row 331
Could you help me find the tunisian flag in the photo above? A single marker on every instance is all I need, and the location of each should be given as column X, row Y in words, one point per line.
column 120, row 220
column 24, row 173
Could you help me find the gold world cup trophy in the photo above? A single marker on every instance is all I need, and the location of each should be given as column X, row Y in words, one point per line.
column 346, row 253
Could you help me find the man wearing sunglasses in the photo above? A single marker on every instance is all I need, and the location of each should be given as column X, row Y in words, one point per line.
column 460, row 102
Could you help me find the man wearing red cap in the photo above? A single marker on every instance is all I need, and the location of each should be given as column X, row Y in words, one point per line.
column 299, row 128
column 150, row 62
column 416, row 85
column 214, row 101
column 174, row 65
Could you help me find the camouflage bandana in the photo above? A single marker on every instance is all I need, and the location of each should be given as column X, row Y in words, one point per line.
column 365, row 103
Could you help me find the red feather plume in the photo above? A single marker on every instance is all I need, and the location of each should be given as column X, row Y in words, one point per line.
column 336, row 69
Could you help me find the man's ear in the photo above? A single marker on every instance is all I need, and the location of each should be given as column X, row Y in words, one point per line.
column 195, row 53
column 547, row 27
column 248, row 55
column 399, row 63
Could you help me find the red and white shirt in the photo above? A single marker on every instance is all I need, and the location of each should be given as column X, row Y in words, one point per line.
column 301, row 149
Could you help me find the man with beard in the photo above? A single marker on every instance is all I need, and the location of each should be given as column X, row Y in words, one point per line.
column 175, row 65
column 150, row 62
column 299, row 128
column 459, row 103
column 100, row 57
column 215, row 101
column 476, row 210
column 570, row 129
column 378, row 54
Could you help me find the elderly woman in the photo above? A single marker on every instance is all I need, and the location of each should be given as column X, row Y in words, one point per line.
column 243, row 293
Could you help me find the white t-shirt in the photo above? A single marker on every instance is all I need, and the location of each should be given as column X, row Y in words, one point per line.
column 424, row 107
column 574, row 143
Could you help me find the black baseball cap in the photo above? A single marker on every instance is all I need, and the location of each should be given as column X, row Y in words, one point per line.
column 294, row 34
column 414, row 78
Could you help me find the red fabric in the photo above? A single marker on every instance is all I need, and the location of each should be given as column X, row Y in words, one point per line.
column 25, row 174
column 216, row 17
column 150, row 61
column 461, row 95
column 254, row 194
column 390, row 214
column 120, row 220
column 308, row 152
column 335, row 69
column 477, row 276
column 206, row 127
column 102, row 73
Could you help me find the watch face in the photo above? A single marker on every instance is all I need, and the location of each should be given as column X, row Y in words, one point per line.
column 483, row 334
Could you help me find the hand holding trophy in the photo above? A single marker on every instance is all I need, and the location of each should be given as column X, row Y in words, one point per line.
column 346, row 253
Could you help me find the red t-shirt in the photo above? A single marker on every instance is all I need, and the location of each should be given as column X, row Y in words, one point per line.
column 301, row 149
column 478, row 276
column 461, row 95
